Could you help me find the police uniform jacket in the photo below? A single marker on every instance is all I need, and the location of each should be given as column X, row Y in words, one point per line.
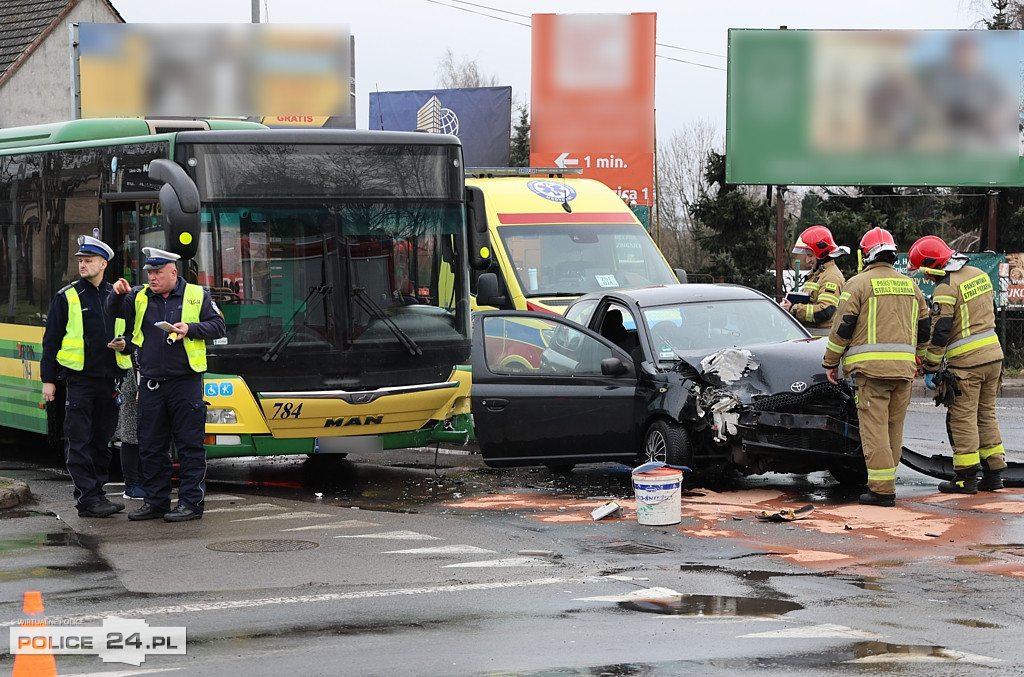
column 823, row 285
column 882, row 325
column 97, row 330
column 963, row 321
column 159, row 361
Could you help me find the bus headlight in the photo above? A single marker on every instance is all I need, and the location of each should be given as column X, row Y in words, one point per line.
column 221, row 416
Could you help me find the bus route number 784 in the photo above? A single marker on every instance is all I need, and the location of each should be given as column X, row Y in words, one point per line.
column 287, row 410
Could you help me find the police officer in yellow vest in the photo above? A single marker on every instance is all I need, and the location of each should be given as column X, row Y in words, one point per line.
column 171, row 366
column 77, row 349
column 965, row 344
column 881, row 327
column 824, row 284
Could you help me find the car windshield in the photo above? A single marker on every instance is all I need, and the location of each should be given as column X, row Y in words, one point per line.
column 722, row 324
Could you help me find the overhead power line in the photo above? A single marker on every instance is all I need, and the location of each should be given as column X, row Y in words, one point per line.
column 527, row 16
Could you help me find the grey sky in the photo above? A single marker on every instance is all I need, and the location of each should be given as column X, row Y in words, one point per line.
column 399, row 43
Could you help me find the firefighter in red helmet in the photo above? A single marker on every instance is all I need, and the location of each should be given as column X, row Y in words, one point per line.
column 823, row 285
column 881, row 327
column 964, row 344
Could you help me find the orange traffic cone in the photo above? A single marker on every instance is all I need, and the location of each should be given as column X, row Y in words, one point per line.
column 34, row 665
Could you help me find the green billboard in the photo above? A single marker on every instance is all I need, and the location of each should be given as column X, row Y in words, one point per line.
column 904, row 108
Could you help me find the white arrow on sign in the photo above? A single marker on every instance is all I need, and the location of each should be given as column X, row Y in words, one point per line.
column 563, row 161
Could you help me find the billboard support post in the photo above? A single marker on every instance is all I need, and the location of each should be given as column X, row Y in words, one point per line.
column 780, row 222
column 990, row 225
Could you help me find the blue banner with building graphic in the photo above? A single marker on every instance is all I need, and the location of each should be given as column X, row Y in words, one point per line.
column 480, row 116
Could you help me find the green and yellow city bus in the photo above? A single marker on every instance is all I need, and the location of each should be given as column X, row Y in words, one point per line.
column 338, row 258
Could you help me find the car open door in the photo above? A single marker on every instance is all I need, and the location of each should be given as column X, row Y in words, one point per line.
column 547, row 391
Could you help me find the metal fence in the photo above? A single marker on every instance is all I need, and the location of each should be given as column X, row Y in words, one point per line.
column 1010, row 327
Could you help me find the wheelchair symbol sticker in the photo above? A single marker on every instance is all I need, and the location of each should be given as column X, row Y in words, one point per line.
column 211, row 390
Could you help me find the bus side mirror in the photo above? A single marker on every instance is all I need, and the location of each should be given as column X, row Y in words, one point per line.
column 477, row 237
column 487, row 291
column 179, row 201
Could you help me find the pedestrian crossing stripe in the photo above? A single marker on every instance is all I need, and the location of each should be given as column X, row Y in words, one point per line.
column 442, row 550
column 510, row 562
column 344, row 524
column 303, row 514
column 824, row 631
column 394, row 535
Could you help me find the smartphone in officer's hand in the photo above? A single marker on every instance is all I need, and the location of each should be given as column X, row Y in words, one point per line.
column 117, row 342
column 166, row 326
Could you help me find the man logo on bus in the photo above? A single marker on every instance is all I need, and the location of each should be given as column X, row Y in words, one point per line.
column 555, row 191
column 342, row 422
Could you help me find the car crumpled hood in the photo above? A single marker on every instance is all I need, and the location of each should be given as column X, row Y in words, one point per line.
column 767, row 369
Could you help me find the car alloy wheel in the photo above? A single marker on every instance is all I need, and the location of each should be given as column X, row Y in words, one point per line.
column 667, row 442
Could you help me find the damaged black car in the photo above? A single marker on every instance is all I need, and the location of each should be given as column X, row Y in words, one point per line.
column 713, row 377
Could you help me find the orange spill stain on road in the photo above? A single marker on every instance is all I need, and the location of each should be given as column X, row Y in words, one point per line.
column 937, row 526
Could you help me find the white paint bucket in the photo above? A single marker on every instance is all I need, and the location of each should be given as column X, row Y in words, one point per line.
column 658, row 496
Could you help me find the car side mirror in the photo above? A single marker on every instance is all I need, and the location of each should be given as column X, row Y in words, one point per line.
column 613, row 366
column 681, row 274
column 488, row 292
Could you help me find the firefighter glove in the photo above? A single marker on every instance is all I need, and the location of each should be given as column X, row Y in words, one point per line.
column 929, row 381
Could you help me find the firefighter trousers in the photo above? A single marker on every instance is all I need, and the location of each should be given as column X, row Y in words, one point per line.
column 971, row 420
column 882, row 407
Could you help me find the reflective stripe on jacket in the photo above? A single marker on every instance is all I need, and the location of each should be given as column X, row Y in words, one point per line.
column 72, row 346
column 963, row 321
column 195, row 349
column 881, row 325
column 823, row 285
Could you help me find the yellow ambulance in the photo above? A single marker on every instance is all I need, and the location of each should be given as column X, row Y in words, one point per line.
column 555, row 236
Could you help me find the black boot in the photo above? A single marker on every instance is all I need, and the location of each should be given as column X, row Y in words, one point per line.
column 871, row 498
column 990, row 480
column 966, row 482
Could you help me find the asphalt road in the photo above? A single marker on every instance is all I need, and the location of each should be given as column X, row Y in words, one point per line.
column 407, row 567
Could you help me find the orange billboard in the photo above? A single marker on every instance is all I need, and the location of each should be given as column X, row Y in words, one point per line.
column 592, row 104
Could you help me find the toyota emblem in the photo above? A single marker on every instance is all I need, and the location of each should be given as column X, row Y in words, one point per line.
column 798, row 387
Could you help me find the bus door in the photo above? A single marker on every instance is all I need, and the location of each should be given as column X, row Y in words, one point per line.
column 128, row 226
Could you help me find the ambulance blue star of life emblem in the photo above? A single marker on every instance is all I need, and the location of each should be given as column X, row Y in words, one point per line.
column 556, row 191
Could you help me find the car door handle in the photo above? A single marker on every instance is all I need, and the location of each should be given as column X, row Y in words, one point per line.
column 495, row 404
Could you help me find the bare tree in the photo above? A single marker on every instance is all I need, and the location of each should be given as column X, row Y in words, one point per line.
column 454, row 73
column 681, row 160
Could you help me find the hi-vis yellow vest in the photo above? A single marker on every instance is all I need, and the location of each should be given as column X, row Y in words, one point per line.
column 195, row 349
column 72, row 346
column 124, row 360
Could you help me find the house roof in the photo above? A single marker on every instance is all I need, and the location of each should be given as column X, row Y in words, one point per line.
column 25, row 23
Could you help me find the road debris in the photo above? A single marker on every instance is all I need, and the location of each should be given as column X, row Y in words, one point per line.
column 787, row 515
column 609, row 509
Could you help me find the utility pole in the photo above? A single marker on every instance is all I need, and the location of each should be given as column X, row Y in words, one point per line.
column 780, row 239
column 255, row 11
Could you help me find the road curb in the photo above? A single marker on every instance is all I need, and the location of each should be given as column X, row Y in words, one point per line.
column 1012, row 389
column 13, row 493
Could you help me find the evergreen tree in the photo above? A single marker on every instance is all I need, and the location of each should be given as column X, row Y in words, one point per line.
column 735, row 229
column 519, row 152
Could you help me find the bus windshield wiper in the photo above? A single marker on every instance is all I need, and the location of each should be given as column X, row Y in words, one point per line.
column 321, row 292
column 367, row 303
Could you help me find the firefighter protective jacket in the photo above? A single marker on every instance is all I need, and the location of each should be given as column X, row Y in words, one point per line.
column 882, row 325
column 823, row 285
column 963, row 320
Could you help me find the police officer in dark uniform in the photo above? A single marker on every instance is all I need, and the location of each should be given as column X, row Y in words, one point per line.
column 172, row 361
column 77, row 348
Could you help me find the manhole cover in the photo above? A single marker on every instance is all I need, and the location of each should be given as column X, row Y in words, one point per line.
column 262, row 545
column 631, row 548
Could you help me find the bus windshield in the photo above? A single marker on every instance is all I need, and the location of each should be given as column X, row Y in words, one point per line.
column 336, row 264
column 575, row 259
column 335, row 276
